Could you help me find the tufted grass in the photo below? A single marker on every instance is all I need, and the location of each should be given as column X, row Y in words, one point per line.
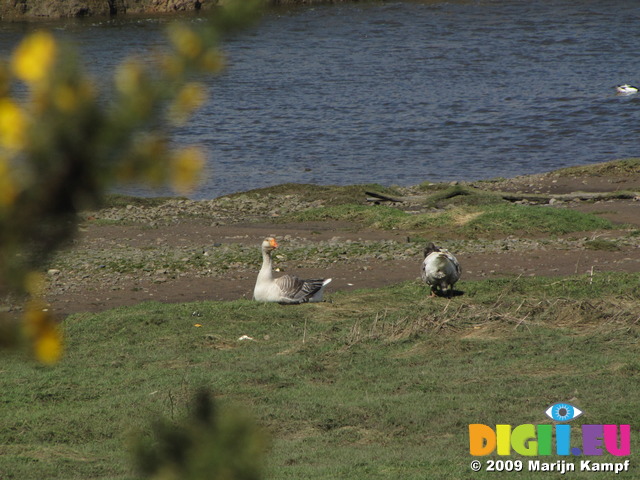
column 463, row 220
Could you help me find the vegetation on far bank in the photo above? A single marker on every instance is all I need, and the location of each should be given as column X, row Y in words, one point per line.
column 473, row 193
column 615, row 168
column 460, row 210
column 505, row 219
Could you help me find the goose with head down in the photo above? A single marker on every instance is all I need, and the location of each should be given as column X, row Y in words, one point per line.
column 440, row 270
column 287, row 289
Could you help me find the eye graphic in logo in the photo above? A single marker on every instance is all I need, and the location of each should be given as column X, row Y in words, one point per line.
column 563, row 412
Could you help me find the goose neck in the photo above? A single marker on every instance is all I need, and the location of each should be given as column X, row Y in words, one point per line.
column 266, row 270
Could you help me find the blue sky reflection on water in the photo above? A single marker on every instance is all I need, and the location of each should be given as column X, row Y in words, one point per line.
column 404, row 92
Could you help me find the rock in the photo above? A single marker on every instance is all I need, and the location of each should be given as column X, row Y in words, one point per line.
column 38, row 9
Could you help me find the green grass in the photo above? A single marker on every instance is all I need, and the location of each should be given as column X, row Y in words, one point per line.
column 617, row 167
column 503, row 219
column 602, row 244
column 379, row 216
column 443, row 195
column 522, row 218
column 373, row 384
column 327, row 194
column 117, row 200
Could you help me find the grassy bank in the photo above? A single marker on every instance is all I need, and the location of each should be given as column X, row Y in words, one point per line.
column 464, row 221
column 373, row 384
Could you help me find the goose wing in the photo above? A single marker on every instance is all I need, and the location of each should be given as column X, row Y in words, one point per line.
column 455, row 263
column 296, row 290
column 429, row 268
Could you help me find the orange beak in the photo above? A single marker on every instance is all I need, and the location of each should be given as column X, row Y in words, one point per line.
column 273, row 243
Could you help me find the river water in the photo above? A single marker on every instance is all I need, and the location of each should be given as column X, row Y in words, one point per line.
column 403, row 92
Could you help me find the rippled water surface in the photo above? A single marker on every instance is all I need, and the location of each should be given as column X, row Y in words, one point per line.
column 404, row 92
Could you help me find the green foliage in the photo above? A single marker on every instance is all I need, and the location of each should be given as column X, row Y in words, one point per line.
column 62, row 146
column 208, row 444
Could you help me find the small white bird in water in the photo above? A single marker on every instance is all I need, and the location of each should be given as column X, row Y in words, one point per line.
column 440, row 270
column 287, row 288
column 626, row 89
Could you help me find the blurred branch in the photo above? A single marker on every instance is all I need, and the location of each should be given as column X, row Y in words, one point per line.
column 210, row 443
column 62, row 147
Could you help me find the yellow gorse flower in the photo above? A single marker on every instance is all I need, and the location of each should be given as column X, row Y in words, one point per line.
column 8, row 187
column 212, row 61
column 44, row 333
column 35, row 283
column 191, row 97
column 186, row 41
column 48, row 346
column 129, row 77
column 185, row 168
column 34, row 57
column 13, row 125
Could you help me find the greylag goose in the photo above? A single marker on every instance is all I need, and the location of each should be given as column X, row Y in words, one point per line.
column 287, row 288
column 440, row 269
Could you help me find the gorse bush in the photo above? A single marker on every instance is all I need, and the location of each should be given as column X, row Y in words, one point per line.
column 207, row 444
column 62, row 146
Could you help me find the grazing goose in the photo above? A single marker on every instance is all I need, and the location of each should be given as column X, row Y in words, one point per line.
column 287, row 288
column 626, row 89
column 440, row 269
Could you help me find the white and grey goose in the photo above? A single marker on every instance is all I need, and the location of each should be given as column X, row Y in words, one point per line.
column 287, row 288
column 440, row 269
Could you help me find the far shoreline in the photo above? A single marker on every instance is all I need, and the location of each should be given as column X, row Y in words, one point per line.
column 43, row 11
column 620, row 174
